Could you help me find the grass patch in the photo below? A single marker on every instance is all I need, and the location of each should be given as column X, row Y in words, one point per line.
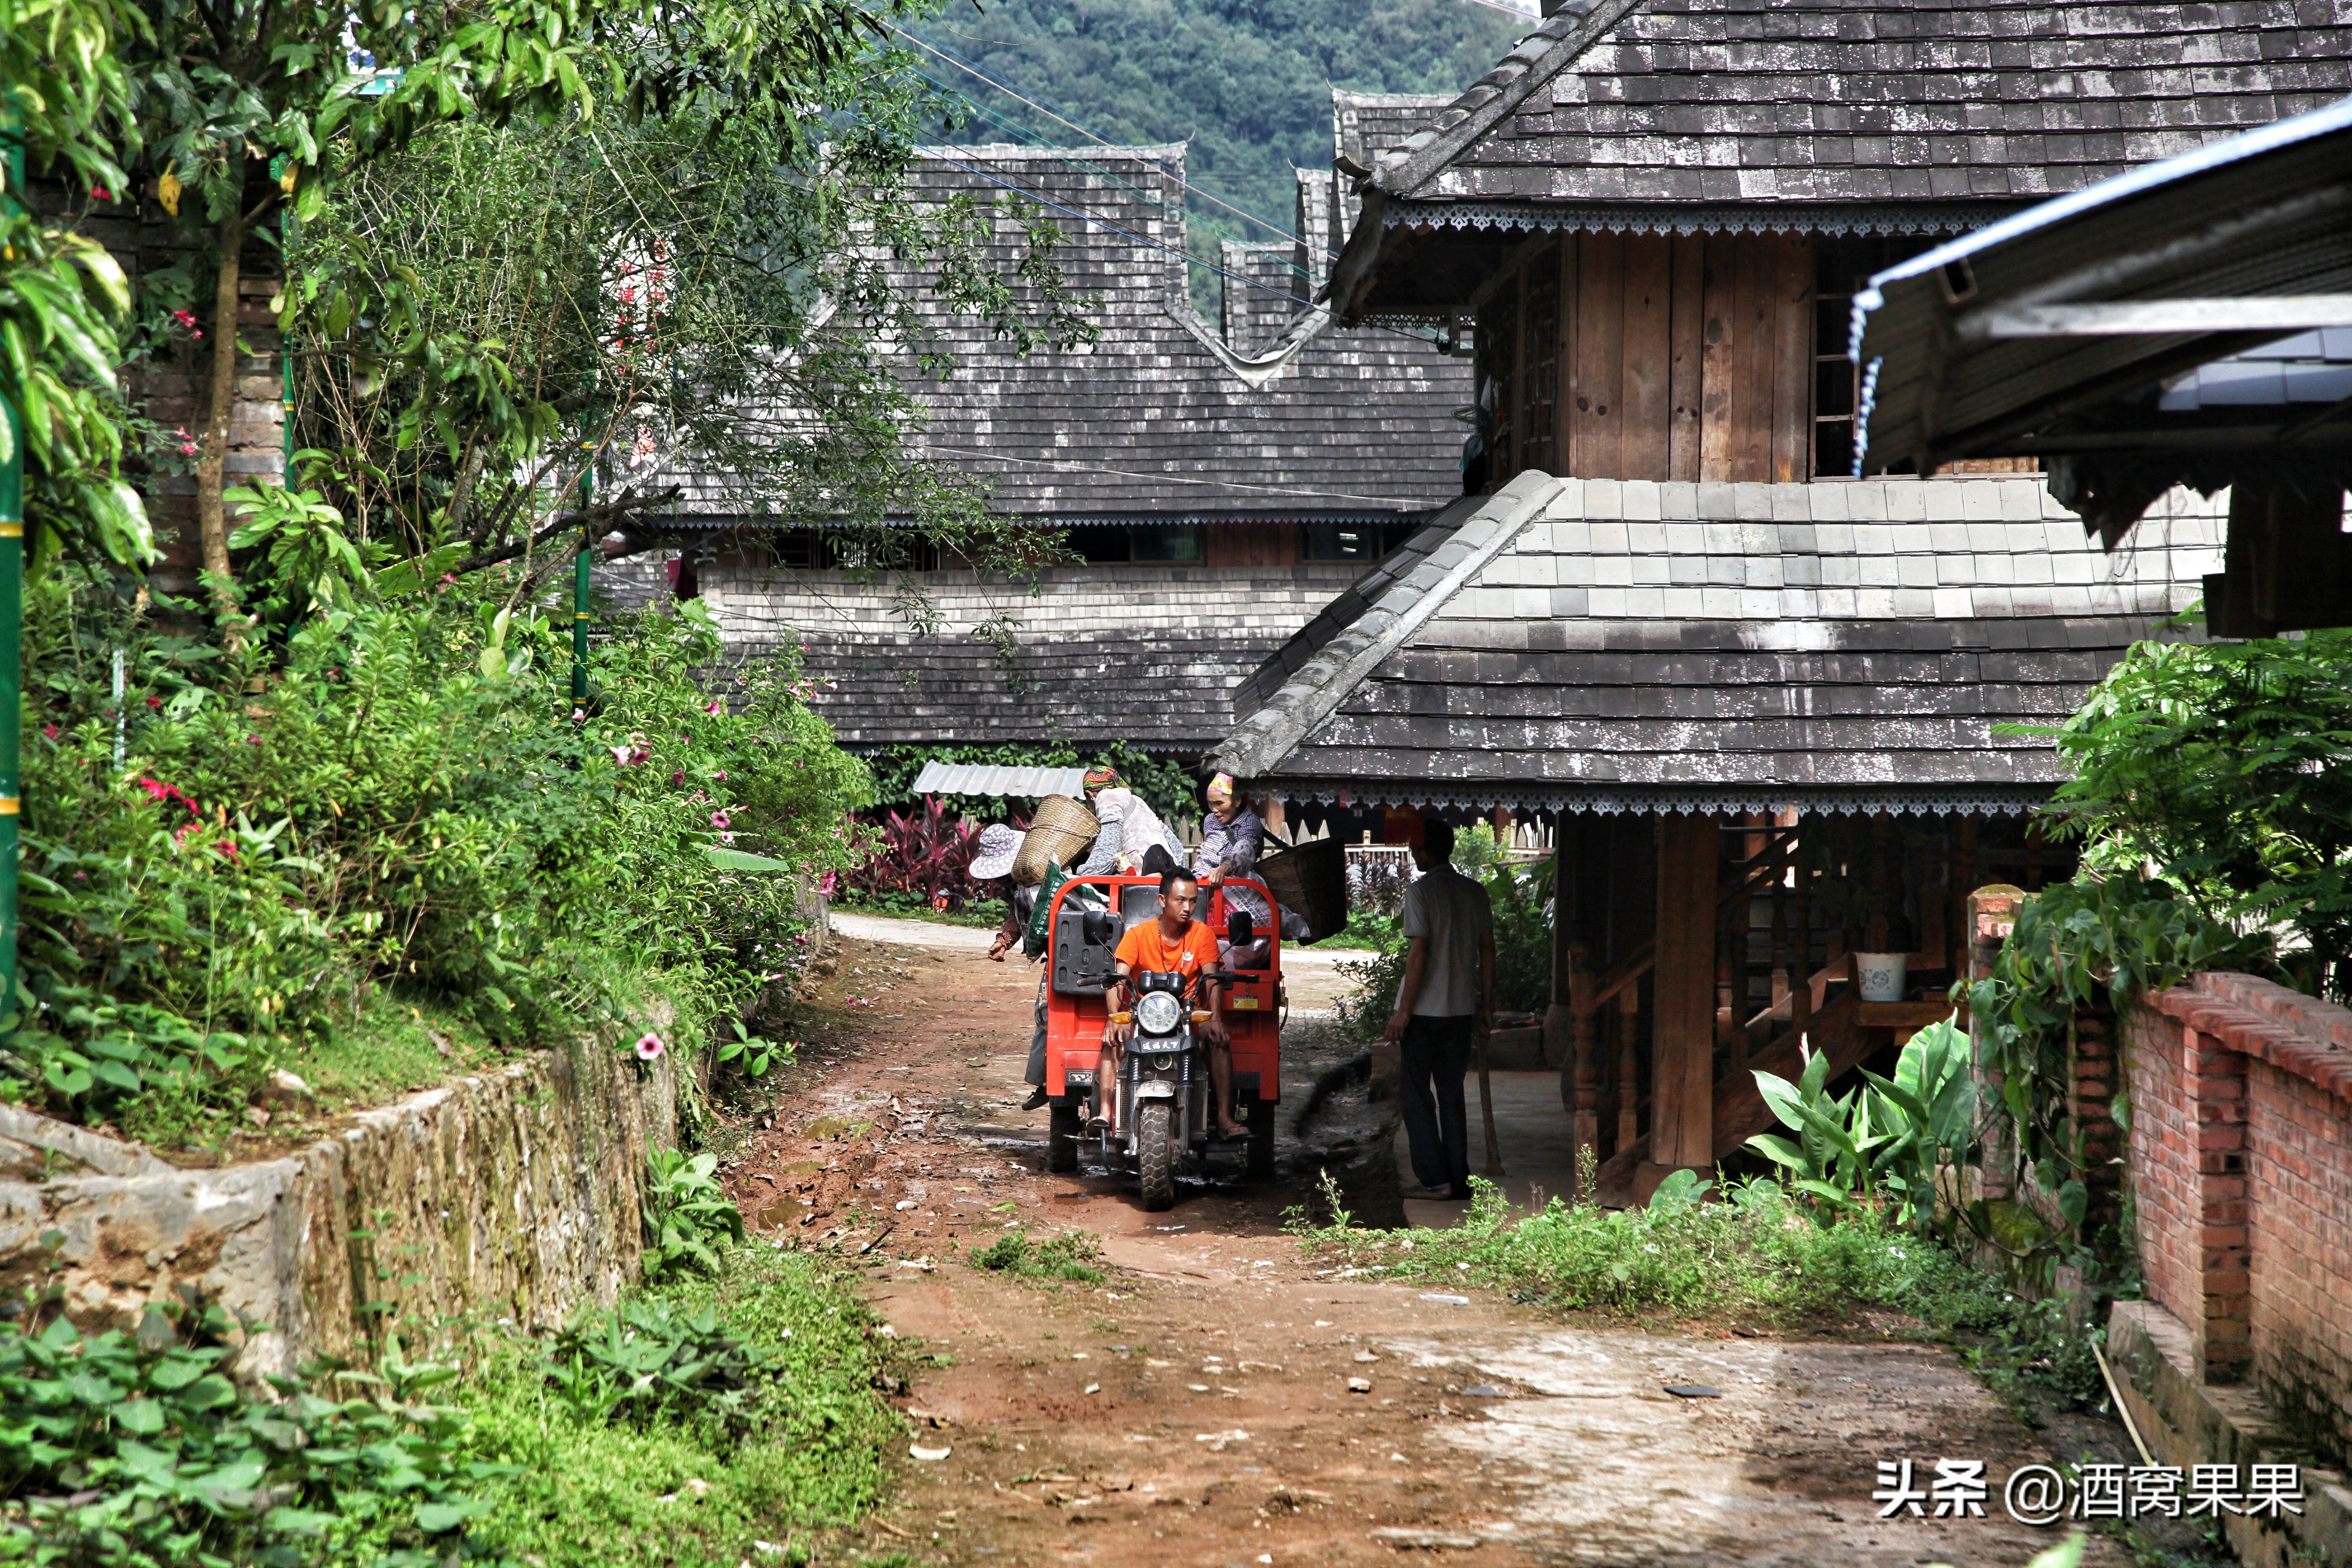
column 1071, row 1256
column 1758, row 1257
column 762, row 1423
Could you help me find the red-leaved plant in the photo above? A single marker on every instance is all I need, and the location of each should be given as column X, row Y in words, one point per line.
column 919, row 853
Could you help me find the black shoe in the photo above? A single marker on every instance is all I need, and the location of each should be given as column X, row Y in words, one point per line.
column 1454, row 1195
column 1036, row 1098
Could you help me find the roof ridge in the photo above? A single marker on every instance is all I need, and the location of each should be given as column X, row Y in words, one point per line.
column 1534, row 60
column 1314, row 692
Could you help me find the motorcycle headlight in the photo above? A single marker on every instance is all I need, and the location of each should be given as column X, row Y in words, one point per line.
column 1158, row 1013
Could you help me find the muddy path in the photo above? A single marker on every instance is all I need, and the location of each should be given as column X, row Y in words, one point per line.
column 1219, row 1399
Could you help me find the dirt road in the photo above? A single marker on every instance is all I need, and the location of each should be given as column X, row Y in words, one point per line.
column 1218, row 1399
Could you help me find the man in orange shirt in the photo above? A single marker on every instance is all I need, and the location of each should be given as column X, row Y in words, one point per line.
column 1175, row 944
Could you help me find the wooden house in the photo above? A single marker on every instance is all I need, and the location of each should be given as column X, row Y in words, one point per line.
column 1767, row 705
column 1218, row 480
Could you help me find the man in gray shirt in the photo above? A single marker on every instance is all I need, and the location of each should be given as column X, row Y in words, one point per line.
column 1448, row 994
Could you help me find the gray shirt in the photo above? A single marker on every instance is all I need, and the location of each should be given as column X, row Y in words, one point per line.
column 1235, row 846
column 1454, row 913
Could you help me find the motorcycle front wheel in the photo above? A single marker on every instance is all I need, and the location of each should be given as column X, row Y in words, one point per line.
column 1155, row 1154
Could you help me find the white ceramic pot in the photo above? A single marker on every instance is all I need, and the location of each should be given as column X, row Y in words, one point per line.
column 1880, row 975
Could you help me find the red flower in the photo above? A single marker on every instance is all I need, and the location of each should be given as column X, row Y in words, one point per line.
column 100, row 193
column 50, row 731
column 155, row 703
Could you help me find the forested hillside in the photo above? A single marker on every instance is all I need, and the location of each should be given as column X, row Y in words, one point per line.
column 1247, row 81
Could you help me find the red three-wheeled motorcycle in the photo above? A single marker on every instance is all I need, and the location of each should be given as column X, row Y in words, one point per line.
column 1165, row 1118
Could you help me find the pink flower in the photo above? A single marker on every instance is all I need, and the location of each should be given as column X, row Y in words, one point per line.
column 678, row 777
column 800, row 939
column 50, row 731
column 580, row 715
column 649, row 1046
column 714, row 706
column 726, row 838
column 720, row 820
column 620, row 755
column 186, row 318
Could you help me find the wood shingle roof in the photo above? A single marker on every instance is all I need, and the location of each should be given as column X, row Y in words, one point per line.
column 1825, row 100
column 1599, row 645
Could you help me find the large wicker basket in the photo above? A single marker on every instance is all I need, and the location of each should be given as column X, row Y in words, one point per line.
column 1311, row 880
column 1061, row 828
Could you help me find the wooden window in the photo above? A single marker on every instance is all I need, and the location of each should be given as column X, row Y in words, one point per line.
column 1842, row 266
column 1496, row 346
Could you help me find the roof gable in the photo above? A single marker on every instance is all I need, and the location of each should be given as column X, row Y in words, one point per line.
column 1821, row 100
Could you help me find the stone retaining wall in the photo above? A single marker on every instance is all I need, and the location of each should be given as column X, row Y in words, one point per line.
column 514, row 1194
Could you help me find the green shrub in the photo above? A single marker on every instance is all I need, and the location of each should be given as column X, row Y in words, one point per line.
column 1070, row 1256
column 688, row 1217
column 787, row 1434
column 135, row 1450
column 1758, row 1256
column 394, row 797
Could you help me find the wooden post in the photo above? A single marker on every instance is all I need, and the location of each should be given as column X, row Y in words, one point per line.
column 1992, row 915
column 1681, row 1028
column 1628, row 1067
column 1558, row 1043
column 1579, row 1073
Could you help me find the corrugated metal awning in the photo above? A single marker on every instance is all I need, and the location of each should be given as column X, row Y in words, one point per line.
column 2049, row 333
column 971, row 778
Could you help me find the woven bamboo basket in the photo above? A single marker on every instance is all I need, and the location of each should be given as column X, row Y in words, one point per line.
column 1061, row 828
column 1311, row 880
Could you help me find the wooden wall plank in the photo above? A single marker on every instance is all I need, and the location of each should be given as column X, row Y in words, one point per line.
column 1647, row 357
column 1595, row 415
column 1572, row 311
column 1751, row 393
column 1685, row 334
column 1718, row 346
column 1792, row 360
column 1681, row 1036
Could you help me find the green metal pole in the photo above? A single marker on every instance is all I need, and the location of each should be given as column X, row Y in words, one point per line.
column 580, row 590
column 12, row 609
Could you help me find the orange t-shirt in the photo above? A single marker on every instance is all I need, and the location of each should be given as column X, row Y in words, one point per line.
column 1145, row 950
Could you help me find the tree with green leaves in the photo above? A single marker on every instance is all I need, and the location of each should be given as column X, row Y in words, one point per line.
column 254, row 108
column 66, row 98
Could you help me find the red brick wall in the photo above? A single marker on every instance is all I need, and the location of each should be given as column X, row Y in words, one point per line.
column 2242, row 1166
column 2300, row 1192
column 2162, row 1157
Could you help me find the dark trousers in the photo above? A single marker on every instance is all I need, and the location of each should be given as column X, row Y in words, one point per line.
column 1435, row 1055
column 1036, row 1075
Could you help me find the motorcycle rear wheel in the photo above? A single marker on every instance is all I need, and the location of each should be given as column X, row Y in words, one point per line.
column 1063, row 1125
column 1261, row 1139
column 1155, row 1154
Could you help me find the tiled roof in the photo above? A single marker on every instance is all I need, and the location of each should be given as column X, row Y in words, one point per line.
column 1826, row 100
column 1165, row 414
column 1855, row 641
column 1148, row 653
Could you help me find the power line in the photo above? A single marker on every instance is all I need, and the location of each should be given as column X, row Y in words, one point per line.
column 1000, row 84
column 1068, row 155
column 1169, row 249
column 1099, row 223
